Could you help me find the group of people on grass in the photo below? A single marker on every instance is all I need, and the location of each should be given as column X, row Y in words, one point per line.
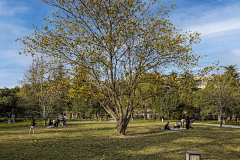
column 12, row 119
column 62, row 120
column 176, row 125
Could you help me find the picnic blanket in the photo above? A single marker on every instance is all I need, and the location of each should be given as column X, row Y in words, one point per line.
column 50, row 126
column 174, row 129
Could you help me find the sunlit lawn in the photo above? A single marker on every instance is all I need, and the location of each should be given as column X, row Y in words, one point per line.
column 98, row 140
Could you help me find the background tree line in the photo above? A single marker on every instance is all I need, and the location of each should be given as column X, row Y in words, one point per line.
column 219, row 95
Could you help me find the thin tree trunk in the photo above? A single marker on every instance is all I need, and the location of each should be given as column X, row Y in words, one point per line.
column 169, row 116
column 96, row 114
column 83, row 115
column 220, row 112
column 44, row 116
column 44, row 122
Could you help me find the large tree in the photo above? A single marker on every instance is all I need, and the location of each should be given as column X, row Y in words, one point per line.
column 44, row 87
column 222, row 88
column 167, row 104
column 113, row 43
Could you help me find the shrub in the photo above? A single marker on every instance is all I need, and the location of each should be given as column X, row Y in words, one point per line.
column 105, row 118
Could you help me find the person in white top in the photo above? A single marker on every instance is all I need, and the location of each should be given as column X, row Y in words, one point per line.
column 13, row 118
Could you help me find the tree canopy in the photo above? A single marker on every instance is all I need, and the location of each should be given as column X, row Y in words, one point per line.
column 113, row 45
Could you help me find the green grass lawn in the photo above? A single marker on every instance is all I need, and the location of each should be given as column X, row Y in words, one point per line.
column 98, row 140
column 217, row 122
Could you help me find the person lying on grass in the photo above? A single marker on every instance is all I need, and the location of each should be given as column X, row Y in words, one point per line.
column 167, row 126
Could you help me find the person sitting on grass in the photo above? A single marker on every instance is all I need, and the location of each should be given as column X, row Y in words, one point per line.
column 32, row 126
column 5, row 120
column 50, row 123
column 176, row 125
column 55, row 122
column 167, row 126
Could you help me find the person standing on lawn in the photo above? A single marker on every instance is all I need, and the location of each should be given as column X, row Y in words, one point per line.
column 64, row 120
column 32, row 126
column 61, row 118
column 13, row 118
column 187, row 121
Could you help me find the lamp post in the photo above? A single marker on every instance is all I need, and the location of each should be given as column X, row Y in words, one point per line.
column 193, row 155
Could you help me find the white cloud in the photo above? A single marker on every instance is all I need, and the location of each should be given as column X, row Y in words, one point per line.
column 210, row 20
column 230, row 58
column 12, row 65
column 14, row 29
column 220, row 27
column 236, row 52
column 6, row 10
column 9, row 78
column 13, row 57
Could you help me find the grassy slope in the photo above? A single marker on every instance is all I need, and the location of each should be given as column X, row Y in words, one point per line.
column 97, row 140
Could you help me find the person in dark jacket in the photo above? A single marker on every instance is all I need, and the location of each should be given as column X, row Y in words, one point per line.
column 5, row 120
column 64, row 120
column 167, row 126
column 187, row 121
column 32, row 126
column 50, row 123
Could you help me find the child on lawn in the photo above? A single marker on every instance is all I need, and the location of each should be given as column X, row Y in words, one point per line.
column 32, row 126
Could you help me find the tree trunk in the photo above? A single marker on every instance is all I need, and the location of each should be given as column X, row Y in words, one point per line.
column 122, row 126
column 83, row 115
column 169, row 117
column 145, row 112
column 96, row 114
column 44, row 122
column 220, row 112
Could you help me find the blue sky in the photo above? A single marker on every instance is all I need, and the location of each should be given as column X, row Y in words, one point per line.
column 218, row 21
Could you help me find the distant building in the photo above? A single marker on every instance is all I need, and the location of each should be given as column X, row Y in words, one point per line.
column 202, row 81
